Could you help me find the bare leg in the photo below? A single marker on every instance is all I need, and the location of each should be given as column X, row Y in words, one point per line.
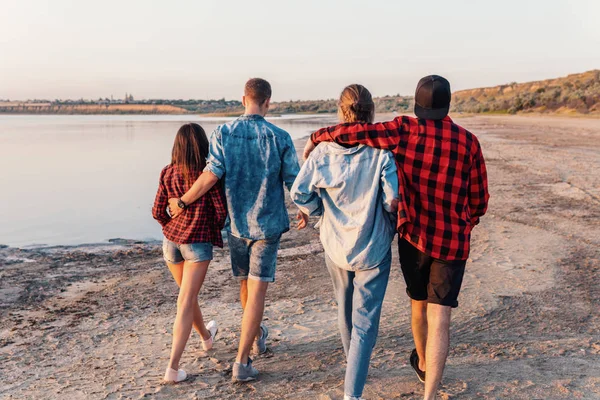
column 253, row 314
column 244, row 293
column 177, row 272
column 419, row 329
column 191, row 282
column 438, row 340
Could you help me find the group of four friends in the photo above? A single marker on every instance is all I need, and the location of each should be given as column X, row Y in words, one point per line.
column 423, row 178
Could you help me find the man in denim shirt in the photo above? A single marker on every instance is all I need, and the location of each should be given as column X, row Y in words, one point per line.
column 254, row 158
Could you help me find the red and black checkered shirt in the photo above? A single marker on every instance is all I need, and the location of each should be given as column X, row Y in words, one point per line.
column 442, row 177
column 201, row 221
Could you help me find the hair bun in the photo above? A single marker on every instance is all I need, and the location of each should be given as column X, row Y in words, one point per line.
column 362, row 107
column 356, row 104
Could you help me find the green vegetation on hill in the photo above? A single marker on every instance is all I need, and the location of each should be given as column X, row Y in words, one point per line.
column 577, row 93
column 573, row 94
column 221, row 106
column 382, row 105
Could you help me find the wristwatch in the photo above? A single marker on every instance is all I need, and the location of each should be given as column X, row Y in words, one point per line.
column 181, row 204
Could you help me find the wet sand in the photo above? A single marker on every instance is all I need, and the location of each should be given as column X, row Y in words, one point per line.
column 94, row 322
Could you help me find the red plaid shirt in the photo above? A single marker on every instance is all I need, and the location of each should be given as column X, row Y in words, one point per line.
column 442, row 176
column 201, row 221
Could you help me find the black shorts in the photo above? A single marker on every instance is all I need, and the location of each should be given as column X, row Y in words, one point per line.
column 427, row 278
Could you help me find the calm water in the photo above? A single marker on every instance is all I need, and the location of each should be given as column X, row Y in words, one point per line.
column 87, row 179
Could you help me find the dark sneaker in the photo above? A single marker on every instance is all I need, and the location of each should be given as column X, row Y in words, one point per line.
column 414, row 362
column 243, row 373
column 260, row 343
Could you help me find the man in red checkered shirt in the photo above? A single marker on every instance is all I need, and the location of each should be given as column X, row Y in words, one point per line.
column 443, row 182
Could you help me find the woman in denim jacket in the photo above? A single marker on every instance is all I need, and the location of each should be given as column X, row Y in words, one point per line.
column 354, row 190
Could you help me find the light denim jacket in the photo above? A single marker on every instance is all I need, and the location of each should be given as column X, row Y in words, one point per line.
column 354, row 190
column 254, row 158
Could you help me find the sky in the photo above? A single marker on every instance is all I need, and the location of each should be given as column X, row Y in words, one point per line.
column 309, row 49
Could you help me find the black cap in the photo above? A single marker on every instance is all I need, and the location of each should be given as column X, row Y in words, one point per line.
column 432, row 97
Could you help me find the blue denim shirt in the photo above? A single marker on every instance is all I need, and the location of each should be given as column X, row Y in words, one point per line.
column 355, row 191
column 254, row 158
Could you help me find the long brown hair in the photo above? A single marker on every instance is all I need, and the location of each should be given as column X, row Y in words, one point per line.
column 190, row 150
column 356, row 104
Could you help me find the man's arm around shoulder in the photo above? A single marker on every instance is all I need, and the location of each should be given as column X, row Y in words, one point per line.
column 381, row 135
column 202, row 185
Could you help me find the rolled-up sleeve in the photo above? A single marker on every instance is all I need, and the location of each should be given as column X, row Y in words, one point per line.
column 215, row 162
column 304, row 191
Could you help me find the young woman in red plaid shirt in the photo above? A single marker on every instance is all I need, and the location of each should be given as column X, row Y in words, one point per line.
column 189, row 239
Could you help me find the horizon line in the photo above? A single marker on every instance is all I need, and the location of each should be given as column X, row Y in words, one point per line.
column 293, row 100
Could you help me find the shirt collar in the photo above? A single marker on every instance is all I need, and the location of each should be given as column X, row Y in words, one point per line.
column 251, row 117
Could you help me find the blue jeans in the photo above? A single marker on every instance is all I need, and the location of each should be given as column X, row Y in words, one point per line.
column 359, row 295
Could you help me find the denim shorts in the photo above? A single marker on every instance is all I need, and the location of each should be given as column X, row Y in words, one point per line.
column 193, row 252
column 253, row 259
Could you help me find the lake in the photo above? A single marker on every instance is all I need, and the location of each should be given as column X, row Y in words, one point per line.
column 85, row 179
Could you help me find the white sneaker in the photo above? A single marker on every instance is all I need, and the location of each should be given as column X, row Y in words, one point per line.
column 172, row 376
column 346, row 397
column 213, row 328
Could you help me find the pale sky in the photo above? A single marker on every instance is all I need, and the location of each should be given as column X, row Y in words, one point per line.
column 307, row 49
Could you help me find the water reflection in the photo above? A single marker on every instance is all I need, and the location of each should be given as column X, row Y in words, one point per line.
column 85, row 179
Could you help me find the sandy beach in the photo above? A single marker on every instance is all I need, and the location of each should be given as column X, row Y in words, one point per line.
column 94, row 322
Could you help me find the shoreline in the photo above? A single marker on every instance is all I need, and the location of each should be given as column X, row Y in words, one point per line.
column 331, row 119
column 576, row 115
column 84, row 247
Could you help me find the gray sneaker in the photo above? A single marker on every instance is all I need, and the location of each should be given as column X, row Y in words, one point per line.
column 260, row 343
column 243, row 373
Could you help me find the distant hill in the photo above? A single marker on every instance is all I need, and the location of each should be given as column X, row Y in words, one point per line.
column 87, row 109
column 222, row 107
column 384, row 104
column 573, row 94
column 159, row 106
column 577, row 93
